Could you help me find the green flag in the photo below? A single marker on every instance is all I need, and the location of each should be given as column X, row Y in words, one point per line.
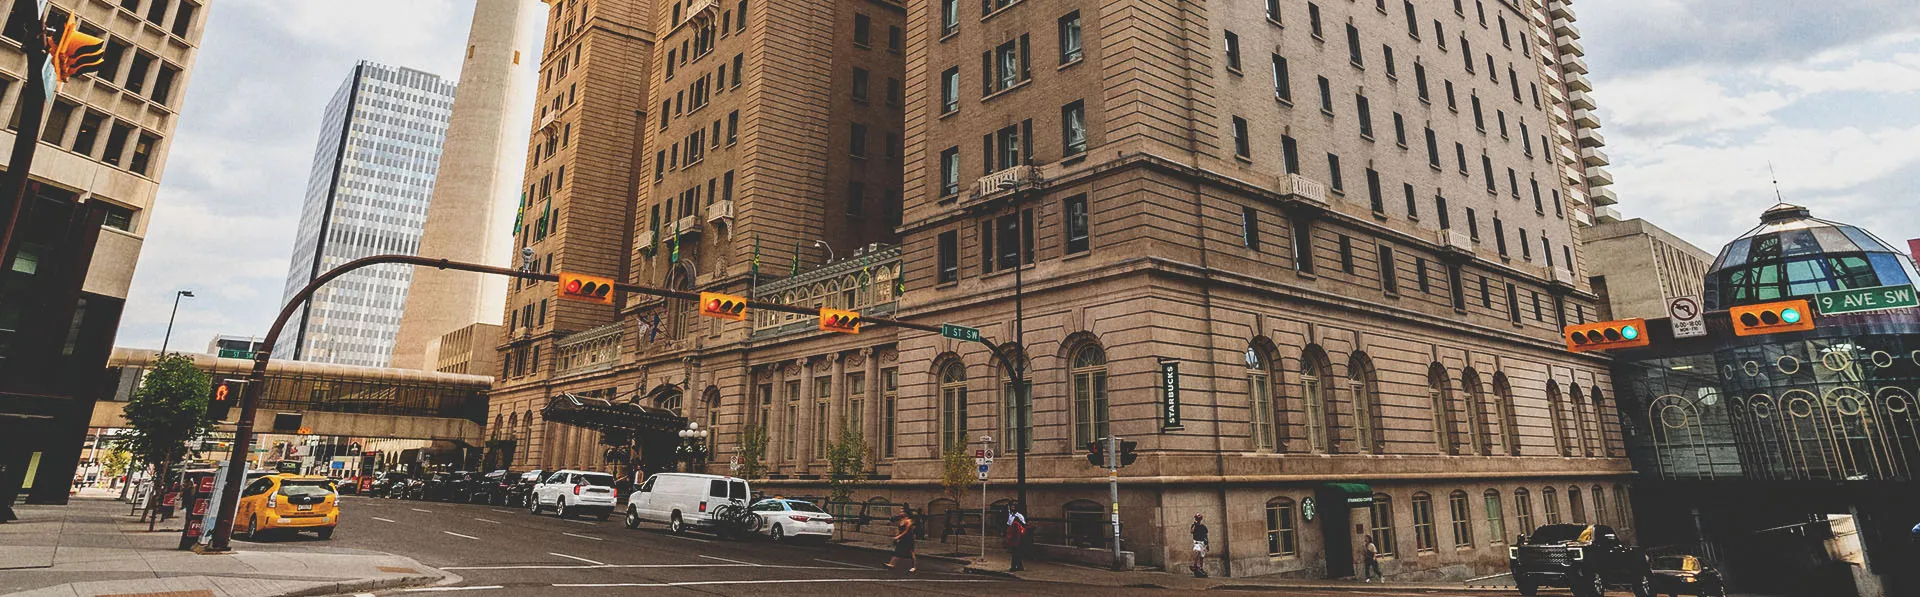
column 753, row 284
column 796, row 260
column 674, row 256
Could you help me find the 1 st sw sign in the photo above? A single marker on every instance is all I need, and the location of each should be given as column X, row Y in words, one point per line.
column 1687, row 317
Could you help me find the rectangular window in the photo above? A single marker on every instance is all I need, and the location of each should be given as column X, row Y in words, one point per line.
column 1282, row 82
column 1420, row 274
column 1073, row 129
column 1500, row 235
column 1290, row 154
column 1326, row 96
column 1473, row 225
column 1513, row 303
column 1366, row 116
column 1423, row 531
column 950, row 90
column 1526, row 246
column 857, row 140
column 1413, row 206
column 1281, row 540
column 1250, row 228
column 739, row 62
column 1462, row 515
column 1353, row 46
column 1420, row 81
column 1375, row 198
column 1433, row 149
column 890, row 397
column 950, row 172
column 1313, row 19
column 1346, row 253
column 1386, row 53
column 1233, row 52
column 1457, row 284
column 1070, row 37
column 1273, row 10
column 1077, row 224
column 949, row 17
column 1242, row 147
column 1399, row 130
column 896, row 39
column 1333, row 174
column 1413, row 21
column 1440, row 208
column 1382, row 527
column 1389, row 271
column 142, row 153
column 860, row 85
column 117, row 142
column 1302, row 245
column 949, row 256
column 862, row 31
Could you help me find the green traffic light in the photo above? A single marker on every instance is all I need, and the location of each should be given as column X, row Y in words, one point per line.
column 1790, row 315
column 1629, row 332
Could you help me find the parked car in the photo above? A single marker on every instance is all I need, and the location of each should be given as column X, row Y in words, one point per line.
column 1686, row 575
column 1585, row 558
column 785, row 519
column 494, row 487
column 469, row 487
column 436, row 487
column 523, row 487
column 385, row 484
column 571, row 492
column 684, row 500
column 283, row 502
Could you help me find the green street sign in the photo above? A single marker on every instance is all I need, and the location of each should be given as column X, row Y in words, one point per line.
column 960, row 332
column 1866, row 299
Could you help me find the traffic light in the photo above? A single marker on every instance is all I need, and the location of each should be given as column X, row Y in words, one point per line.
column 73, row 53
column 1607, row 335
column 724, row 306
column 224, row 396
column 836, row 320
column 1097, row 453
column 1771, row 318
column 581, row 287
column 1126, row 452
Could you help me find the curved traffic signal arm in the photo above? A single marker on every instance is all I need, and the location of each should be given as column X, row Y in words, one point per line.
column 837, row 320
column 1771, row 318
column 582, row 287
column 1606, row 335
column 724, row 306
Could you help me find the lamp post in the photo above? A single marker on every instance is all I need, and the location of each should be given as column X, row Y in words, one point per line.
column 693, row 442
column 176, row 311
column 823, row 244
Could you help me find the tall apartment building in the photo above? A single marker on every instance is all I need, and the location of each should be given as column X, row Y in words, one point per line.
column 1344, row 222
column 1638, row 267
column 1576, row 127
column 581, row 183
column 367, row 194
column 103, row 148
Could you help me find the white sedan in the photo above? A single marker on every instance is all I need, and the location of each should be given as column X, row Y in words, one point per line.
column 783, row 519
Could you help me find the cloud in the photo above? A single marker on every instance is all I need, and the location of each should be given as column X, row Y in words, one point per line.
column 1654, row 34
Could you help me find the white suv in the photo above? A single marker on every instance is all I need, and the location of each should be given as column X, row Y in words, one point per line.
column 570, row 492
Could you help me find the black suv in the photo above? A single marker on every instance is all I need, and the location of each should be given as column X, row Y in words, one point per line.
column 1586, row 558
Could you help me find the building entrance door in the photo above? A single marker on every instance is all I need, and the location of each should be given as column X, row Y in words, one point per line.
column 1345, row 510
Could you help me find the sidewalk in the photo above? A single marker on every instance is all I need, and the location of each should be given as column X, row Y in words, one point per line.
column 93, row 547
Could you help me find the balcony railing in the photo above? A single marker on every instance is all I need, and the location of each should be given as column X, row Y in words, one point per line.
column 720, row 211
column 1006, row 180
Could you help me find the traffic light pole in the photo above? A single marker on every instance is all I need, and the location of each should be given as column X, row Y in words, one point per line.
column 257, row 379
column 1113, row 493
column 26, row 139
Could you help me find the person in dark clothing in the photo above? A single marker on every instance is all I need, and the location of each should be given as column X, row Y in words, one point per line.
column 1199, row 530
column 1019, row 536
column 1370, row 557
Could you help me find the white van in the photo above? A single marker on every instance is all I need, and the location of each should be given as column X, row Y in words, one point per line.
column 682, row 500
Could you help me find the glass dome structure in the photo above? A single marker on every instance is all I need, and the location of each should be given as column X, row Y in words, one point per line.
column 1793, row 254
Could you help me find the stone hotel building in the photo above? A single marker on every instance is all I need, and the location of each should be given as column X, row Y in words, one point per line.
column 1354, row 226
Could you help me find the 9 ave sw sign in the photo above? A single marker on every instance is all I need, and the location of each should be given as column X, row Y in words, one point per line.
column 1866, row 299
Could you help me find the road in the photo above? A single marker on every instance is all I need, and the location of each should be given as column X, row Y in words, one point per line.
column 502, row 551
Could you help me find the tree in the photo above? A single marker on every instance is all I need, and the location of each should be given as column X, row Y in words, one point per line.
column 753, row 449
column 847, row 462
column 115, row 464
column 957, row 470
column 168, row 411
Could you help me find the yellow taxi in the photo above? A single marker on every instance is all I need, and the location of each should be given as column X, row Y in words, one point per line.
column 291, row 503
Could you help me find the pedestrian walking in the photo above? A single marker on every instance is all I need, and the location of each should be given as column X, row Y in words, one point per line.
column 903, row 543
column 1018, row 536
column 1370, row 556
column 1199, row 530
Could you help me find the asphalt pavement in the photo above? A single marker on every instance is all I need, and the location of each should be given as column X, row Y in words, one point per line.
column 493, row 550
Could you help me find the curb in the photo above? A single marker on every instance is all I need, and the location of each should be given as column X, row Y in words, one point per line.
column 862, row 547
column 992, row 573
column 361, row 586
column 1358, row 588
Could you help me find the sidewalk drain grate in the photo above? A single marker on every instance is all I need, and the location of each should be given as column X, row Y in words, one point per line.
column 199, row 593
column 396, row 570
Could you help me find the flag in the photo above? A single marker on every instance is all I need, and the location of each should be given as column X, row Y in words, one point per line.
column 796, row 260
column 754, row 283
column 674, row 256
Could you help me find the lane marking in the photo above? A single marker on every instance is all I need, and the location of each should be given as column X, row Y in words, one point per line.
column 769, row 582
column 643, row 566
column 419, row 510
column 466, row 588
column 688, row 538
column 729, row 561
column 384, row 519
column 462, row 536
column 503, row 511
column 846, row 564
column 487, row 521
column 579, row 521
column 555, row 553
column 584, row 536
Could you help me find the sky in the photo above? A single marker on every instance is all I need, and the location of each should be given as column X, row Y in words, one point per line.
column 1696, row 98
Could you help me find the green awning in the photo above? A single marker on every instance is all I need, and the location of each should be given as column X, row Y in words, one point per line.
column 1353, row 495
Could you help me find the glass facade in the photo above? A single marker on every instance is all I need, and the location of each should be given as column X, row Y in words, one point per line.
column 1791, row 254
column 367, row 194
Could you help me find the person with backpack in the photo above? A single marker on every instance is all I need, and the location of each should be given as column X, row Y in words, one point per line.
column 1370, row 557
column 1018, row 536
column 1199, row 530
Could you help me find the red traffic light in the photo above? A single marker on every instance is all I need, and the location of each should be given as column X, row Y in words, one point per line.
column 724, row 306
column 838, row 320
column 591, row 289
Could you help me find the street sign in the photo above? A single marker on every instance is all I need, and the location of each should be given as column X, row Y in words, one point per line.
column 1170, row 396
column 960, row 332
column 1687, row 317
column 1866, row 299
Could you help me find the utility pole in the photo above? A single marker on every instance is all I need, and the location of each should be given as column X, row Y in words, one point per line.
column 1113, row 493
column 33, row 102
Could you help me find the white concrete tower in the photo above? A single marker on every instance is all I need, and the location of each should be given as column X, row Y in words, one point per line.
column 479, row 180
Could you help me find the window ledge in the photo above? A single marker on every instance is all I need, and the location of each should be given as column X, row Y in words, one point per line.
column 949, row 114
column 1243, row 159
column 1080, row 255
column 996, row 12
column 1072, row 61
column 1235, row 71
column 950, row 35
column 1010, row 89
column 1275, row 22
column 1079, row 157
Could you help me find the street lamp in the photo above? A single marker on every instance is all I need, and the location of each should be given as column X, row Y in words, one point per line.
column 176, row 311
column 823, row 244
column 693, row 445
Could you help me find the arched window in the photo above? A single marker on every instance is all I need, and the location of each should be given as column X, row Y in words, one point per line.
column 1383, row 525
column 953, row 406
column 1550, row 501
column 1281, row 540
column 1598, row 418
column 1509, row 420
column 1580, row 422
column 682, row 309
column 1600, row 506
column 1089, row 394
column 498, row 422
column 1476, row 400
column 1556, row 415
column 1440, row 395
column 1496, row 517
column 712, row 407
column 1366, row 404
column 1461, row 511
column 1086, row 523
column 1014, row 404
column 1424, row 538
column 1523, row 509
column 1313, row 398
column 1577, row 507
column 1260, row 400
column 1622, row 520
